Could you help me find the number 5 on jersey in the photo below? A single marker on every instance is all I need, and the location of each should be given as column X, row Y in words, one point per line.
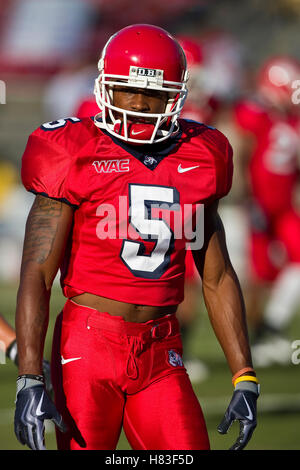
column 142, row 199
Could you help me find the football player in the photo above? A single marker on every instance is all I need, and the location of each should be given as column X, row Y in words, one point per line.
column 200, row 107
column 112, row 194
column 272, row 121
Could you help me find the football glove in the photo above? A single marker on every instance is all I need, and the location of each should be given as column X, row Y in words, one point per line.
column 33, row 406
column 242, row 407
column 12, row 354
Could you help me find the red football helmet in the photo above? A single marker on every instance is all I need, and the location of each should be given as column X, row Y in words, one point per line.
column 142, row 56
column 192, row 49
column 275, row 80
column 197, row 85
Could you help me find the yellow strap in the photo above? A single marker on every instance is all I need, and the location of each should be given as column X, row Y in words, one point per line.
column 246, row 378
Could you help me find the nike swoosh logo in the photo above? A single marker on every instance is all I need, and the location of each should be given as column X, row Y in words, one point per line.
column 183, row 170
column 38, row 411
column 250, row 415
column 65, row 361
column 136, row 132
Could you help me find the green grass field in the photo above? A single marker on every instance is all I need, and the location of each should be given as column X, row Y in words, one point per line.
column 278, row 409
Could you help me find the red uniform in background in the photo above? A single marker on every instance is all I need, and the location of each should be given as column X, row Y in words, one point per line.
column 273, row 174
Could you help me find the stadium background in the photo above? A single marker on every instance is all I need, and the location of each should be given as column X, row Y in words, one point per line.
column 48, row 51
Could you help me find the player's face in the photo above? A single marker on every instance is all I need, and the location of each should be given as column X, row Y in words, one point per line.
column 139, row 100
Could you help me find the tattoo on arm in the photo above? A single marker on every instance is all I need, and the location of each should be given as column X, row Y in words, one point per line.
column 41, row 229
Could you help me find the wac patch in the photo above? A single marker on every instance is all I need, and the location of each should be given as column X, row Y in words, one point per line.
column 110, row 166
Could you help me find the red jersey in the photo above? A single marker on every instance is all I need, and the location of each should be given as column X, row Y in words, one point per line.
column 127, row 199
column 274, row 163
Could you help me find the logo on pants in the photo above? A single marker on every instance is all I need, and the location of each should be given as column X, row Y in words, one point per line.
column 175, row 358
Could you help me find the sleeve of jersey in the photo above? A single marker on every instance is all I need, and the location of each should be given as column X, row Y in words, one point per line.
column 223, row 167
column 45, row 169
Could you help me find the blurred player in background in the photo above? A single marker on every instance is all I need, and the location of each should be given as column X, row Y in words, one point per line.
column 9, row 342
column 272, row 121
column 201, row 104
column 8, row 339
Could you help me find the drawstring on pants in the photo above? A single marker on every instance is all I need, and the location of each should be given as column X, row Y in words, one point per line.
column 137, row 343
column 136, row 348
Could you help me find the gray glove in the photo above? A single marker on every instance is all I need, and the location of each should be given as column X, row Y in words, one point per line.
column 33, row 406
column 242, row 407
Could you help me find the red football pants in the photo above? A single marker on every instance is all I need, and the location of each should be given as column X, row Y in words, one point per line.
column 108, row 373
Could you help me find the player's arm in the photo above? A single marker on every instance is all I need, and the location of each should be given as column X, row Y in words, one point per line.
column 222, row 294
column 225, row 306
column 46, row 235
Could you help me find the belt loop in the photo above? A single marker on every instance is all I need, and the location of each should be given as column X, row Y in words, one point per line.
column 165, row 334
column 152, row 332
column 170, row 331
